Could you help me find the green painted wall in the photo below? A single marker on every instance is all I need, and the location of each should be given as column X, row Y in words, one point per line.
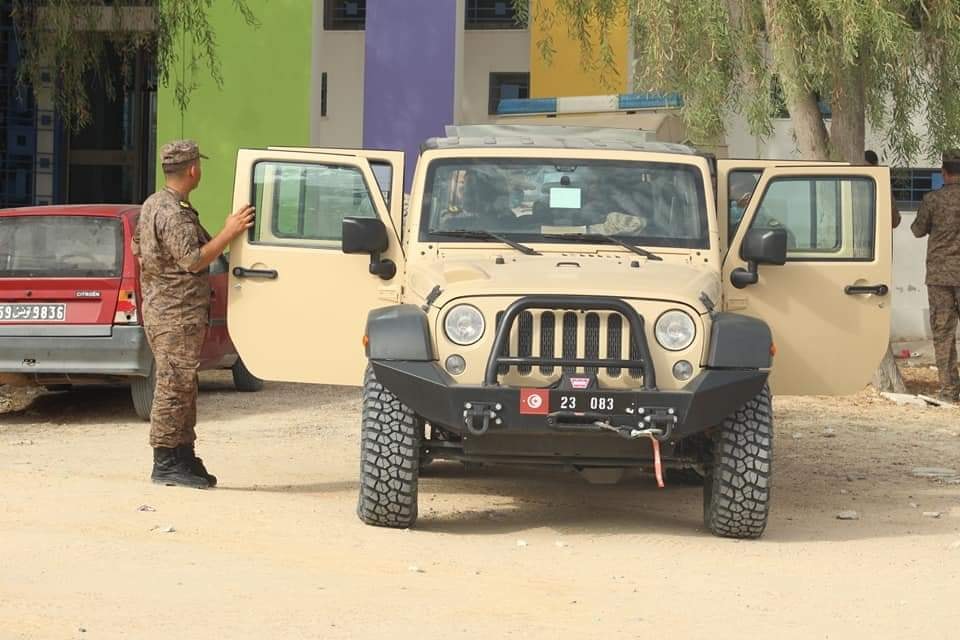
column 265, row 99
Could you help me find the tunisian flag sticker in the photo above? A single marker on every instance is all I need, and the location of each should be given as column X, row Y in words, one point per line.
column 534, row 401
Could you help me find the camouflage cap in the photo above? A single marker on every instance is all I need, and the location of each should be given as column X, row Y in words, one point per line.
column 952, row 156
column 180, row 151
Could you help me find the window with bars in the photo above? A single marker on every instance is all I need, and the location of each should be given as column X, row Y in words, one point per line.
column 492, row 14
column 344, row 15
column 911, row 184
column 505, row 86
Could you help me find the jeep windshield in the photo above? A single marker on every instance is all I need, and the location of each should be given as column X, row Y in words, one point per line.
column 657, row 204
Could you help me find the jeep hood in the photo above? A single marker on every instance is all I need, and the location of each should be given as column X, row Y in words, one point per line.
column 578, row 274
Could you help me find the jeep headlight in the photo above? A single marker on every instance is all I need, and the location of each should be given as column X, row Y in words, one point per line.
column 675, row 330
column 464, row 324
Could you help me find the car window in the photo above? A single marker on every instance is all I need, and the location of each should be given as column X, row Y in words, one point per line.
column 383, row 172
column 824, row 217
column 741, row 184
column 60, row 246
column 651, row 203
column 299, row 203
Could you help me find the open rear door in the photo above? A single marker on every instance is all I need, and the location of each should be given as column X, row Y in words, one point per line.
column 829, row 306
column 297, row 304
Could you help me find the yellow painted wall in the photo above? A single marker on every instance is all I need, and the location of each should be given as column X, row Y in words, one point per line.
column 566, row 74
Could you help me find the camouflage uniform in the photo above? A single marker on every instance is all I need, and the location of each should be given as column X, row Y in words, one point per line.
column 939, row 217
column 176, row 304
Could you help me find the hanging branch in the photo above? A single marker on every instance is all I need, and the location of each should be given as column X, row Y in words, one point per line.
column 68, row 39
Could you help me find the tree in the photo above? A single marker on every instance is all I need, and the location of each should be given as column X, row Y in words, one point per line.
column 69, row 39
column 882, row 62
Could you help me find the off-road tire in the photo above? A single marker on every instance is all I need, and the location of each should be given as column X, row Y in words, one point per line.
column 141, row 391
column 389, row 458
column 243, row 380
column 736, row 492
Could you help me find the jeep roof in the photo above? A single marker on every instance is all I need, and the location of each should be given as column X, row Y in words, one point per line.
column 552, row 137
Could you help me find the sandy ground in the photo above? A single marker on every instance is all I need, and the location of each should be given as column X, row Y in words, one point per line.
column 277, row 552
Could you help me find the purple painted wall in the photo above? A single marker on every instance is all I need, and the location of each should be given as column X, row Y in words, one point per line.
column 409, row 74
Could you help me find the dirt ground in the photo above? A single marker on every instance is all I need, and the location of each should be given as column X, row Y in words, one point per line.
column 277, row 552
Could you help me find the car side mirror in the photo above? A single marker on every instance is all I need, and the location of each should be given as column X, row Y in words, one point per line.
column 369, row 235
column 760, row 246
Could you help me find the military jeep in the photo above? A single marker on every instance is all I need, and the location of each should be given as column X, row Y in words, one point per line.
column 582, row 299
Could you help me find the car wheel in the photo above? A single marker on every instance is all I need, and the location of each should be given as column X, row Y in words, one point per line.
column 389, row 458
column 736, row 493
column 141, row 390
column 243, row 380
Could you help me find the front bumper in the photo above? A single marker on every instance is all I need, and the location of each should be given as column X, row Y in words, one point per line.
column 124, row 352
column 433, row 394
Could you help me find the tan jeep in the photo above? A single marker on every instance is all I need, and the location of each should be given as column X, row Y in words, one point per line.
column 572, row 298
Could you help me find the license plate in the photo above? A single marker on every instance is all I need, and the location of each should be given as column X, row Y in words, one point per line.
column 591, row 402
column 33, row 312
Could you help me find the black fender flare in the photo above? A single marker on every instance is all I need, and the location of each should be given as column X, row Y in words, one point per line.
column 739, row 342
column 399, row 332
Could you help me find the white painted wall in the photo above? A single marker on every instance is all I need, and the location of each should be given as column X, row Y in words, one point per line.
column 485, row 52
column 340, row 54
column 911, row 311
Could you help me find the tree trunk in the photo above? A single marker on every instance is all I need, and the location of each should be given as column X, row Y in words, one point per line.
column 887, row 377
column 809, row 130
column 848, row 129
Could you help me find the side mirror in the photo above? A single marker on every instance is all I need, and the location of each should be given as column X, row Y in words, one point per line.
column 364, row 235
column 765, row 246
column 760, row 246
column 369, row 235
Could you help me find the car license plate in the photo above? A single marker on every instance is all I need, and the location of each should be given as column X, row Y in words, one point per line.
column 33, row 312
column 591, row 402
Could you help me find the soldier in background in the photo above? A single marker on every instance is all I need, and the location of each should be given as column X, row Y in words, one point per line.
column 175, row 252
column 939, row 217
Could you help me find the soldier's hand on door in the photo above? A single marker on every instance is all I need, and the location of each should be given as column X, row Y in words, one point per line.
column 238, row 221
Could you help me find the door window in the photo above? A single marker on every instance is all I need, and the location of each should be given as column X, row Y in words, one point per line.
column 826, row 218
column 740, row 186
column 305, row 204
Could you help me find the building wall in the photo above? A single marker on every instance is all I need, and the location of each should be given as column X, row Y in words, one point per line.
column 265, row 98
column 411, row 65
column 565, row 74
column 486, row 52
column 339, row 54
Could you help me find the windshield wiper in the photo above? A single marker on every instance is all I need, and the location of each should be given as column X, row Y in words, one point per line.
column 487, row 235
column 602, row 237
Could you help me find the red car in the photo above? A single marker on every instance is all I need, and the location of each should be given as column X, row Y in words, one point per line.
column 69, row 296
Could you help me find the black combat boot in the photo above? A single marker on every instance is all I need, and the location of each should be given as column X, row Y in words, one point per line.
column 196, row 464
column 171, row 468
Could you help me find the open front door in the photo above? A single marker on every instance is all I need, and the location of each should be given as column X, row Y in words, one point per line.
column 829, row 306
column 297, row 304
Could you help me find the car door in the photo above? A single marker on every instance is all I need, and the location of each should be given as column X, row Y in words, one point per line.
column 216, row 345
column 828, row 306
column 297, row 304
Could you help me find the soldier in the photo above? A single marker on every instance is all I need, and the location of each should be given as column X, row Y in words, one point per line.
column 939, row 217
column 174, row 252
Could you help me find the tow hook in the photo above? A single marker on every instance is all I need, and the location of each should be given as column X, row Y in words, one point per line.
column 478, row 415
column 658, row 421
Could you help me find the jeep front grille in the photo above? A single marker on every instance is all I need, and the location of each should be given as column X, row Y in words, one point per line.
column 581, row 337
